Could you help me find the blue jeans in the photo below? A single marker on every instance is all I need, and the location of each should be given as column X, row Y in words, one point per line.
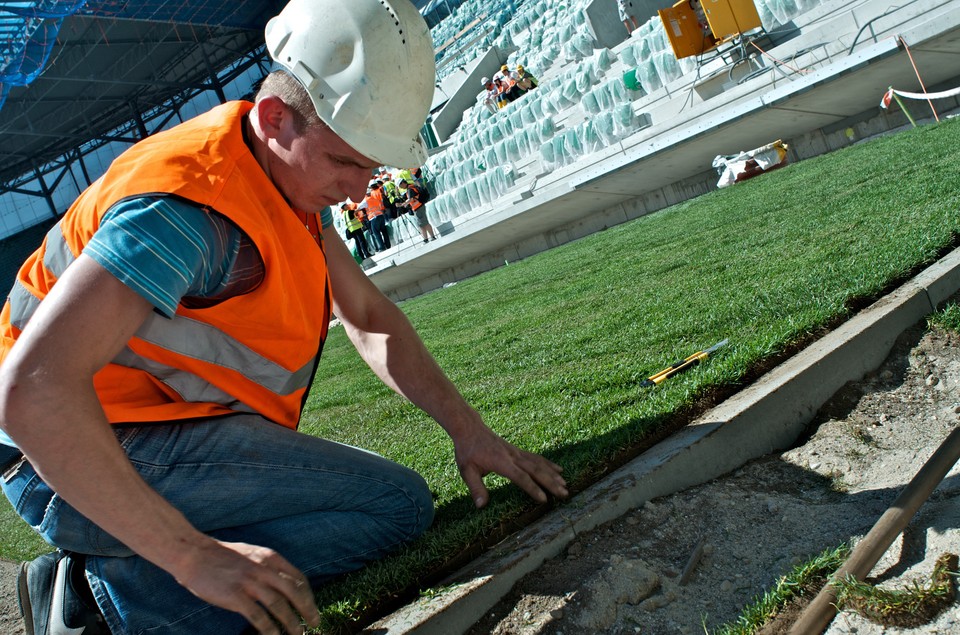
column 378, row 230
column 326, row 507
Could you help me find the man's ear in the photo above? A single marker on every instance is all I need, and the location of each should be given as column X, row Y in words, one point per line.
column 271, row 115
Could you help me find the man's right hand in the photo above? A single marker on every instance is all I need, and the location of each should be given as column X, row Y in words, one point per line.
column 254, row 581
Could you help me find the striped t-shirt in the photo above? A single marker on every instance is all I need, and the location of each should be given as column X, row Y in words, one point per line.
column 171, row 251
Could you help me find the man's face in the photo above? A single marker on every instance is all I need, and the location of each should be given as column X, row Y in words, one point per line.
column 315, row 168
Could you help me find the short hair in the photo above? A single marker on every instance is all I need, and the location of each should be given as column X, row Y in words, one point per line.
column 289, row 89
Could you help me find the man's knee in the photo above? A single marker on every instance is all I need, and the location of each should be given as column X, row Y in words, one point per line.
column 421, row 505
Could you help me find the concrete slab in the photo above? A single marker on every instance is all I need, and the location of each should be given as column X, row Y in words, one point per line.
column 768, row 416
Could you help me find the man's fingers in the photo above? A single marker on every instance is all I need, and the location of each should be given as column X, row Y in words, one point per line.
column 281, row 611
column 553, row 466
column 260, row 619
column 280, row 598
column 535, row 474
column 285, row 595
column 299, row 591
column 547, row 474
column 532, row 473
column 474, row 480
column 524, row 481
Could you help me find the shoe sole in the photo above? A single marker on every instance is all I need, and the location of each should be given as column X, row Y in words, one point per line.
column 23, row 599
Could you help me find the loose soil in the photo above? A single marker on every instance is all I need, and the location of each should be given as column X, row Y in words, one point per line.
column 755, row 524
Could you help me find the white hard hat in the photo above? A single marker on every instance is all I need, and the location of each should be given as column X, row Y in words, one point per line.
column 485, row 81
column 369, row 68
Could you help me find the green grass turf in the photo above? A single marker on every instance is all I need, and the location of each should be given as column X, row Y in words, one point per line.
column 948, row 317
column 552, row 349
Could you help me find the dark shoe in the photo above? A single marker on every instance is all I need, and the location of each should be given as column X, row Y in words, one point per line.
column 55, row 598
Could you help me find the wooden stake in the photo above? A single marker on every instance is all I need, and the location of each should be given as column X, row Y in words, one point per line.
column 868, row 551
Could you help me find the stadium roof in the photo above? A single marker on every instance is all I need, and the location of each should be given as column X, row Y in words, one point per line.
column 98, row 69
column 74, row 72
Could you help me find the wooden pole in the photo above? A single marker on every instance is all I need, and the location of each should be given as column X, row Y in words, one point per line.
column 868, row 551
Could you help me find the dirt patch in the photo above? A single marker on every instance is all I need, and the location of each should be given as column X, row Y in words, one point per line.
column 10, row 620
column 689, row 562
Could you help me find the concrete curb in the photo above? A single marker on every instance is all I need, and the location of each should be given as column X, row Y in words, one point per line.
column 768, row 416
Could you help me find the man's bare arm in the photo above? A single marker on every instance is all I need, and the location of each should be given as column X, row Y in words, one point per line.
column 391, row 347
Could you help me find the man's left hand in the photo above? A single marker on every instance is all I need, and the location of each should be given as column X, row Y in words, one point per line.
column 484, row 452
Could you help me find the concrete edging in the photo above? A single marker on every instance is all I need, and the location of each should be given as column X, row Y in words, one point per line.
column 767, row 416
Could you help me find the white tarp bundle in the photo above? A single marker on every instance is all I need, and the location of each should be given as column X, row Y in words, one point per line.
column 734, row 167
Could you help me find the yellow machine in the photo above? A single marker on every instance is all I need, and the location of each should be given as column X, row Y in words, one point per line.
column 697, row 26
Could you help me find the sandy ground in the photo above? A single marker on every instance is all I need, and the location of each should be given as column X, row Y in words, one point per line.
column 10, row 621
column 755, row 524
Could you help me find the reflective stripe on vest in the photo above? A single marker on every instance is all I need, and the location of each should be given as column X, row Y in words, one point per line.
column 180, row 335
column 199, row 340
column 58, row 256
column 56, row 259
column 187, row 385
column 22, row 305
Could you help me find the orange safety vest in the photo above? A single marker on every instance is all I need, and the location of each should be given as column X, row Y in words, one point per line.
column 374, row 201
column 415, row 203
column 254, row 353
